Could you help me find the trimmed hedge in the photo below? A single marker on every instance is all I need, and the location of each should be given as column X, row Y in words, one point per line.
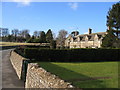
column 73, row 55
column 35, row 46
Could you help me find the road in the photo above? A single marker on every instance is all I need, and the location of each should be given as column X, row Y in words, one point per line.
column 9, row 76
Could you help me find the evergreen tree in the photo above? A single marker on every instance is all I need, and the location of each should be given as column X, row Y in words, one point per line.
column 113, row 18
column 49, row 36
column 42, row 37
column 31, row 40
column 10, row 38
column 109, row 39
column 27, row 36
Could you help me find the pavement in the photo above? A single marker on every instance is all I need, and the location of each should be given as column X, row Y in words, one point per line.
column 8, row 76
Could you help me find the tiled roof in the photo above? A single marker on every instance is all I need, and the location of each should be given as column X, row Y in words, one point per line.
column 91, row 36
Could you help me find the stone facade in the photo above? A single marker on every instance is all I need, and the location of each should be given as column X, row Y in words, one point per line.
column 90, row 40
column 38, row 77
column 17, row 61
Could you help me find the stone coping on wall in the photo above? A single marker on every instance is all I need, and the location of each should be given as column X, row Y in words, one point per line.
column 37, row 77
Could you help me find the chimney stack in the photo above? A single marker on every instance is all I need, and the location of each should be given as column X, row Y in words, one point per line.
column 89, row 31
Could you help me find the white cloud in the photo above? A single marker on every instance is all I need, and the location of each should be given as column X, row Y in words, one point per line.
column 73, row 5
column 23, row 2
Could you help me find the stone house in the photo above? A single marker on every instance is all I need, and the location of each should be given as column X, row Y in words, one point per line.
column 90, row 40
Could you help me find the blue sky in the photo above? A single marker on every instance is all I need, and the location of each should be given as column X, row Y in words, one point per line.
column 42, row 16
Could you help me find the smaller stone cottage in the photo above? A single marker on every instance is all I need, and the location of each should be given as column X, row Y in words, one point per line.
column 90, row 40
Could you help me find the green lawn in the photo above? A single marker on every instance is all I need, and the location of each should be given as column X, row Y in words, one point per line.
column 86, row 75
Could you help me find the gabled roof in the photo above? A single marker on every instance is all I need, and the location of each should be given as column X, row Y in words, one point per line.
column 99, row 33
column 91, row 36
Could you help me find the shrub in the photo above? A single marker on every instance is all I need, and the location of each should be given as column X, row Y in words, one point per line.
column 73, row 55
column 35, row 46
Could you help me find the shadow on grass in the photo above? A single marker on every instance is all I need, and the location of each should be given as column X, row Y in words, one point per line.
column 78, row 80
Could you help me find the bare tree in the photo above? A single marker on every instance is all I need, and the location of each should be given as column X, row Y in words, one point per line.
column 4, row 32
column 61, row 38
column 36, row 34
column 54, row 36
column 20, row 34
column 15, row 33
column 25, row 33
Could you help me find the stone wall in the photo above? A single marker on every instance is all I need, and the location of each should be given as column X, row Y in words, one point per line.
column 37, row 77
column 16, row 61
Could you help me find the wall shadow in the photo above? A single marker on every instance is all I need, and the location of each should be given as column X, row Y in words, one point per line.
column 76, row 79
